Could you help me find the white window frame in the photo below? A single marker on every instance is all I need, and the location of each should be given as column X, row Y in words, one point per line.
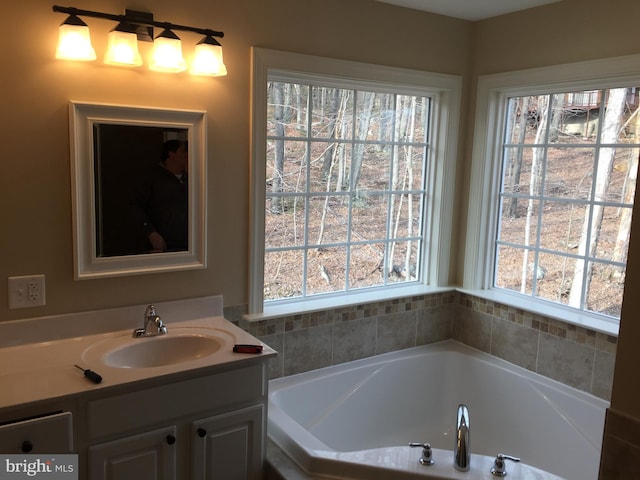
column 445, row 91
column 493, row 94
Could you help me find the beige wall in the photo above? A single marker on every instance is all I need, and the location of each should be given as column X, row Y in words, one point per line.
column 36, row 199
column 35, row 208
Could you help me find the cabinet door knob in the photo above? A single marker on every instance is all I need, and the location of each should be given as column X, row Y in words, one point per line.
column 26, row 447
column 171, row 439
column 202, row 432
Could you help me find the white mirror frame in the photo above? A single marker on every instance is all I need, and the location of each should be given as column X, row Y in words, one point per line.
column 82, row 118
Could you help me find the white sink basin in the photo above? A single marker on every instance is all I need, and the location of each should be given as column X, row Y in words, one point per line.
column 179, row 345
column 162, row 350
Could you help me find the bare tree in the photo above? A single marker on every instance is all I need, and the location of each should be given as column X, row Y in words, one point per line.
column 386, row 109
column 622, row 239
column 404, row 129
column 515, row 165
column 409, row 168
column 333, row 154
column 333, row 111
column 277, row 204
column 364, row 121
column 536, row 165
column 589, row 237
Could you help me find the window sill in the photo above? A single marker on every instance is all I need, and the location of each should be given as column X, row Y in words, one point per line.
column 332, row 302
column 558, row 312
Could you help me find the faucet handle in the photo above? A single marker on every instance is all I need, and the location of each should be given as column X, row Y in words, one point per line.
column 151, row 310
column 499, row 468
column 427, row 454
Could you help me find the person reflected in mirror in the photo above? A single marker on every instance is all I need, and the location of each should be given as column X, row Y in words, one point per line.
column 162, row 200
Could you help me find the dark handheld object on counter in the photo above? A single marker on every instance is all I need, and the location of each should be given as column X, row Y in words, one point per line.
column 90, row 374
column 243, row 348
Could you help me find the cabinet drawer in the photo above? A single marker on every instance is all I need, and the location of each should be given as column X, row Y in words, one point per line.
column 150, row 406
column 48, row 434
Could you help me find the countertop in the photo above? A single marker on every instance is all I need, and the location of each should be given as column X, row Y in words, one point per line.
column 33, row 368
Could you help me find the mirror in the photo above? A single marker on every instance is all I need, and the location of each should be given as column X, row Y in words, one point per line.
column 138, row 196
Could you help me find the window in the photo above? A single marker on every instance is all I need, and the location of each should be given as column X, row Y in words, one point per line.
column 346, row 189
column 351, row 174
column 561, row 160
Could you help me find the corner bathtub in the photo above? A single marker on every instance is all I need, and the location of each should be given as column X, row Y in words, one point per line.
column 356, row 420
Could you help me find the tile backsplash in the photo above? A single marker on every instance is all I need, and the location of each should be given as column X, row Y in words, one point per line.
column 620, row 447
column 573, row 355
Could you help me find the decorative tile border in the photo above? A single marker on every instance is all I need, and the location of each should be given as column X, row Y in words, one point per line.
column 290, row 323
column 557, row 328
column 534, row 341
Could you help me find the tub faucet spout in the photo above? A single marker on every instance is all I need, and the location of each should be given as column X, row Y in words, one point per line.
column 462, row 450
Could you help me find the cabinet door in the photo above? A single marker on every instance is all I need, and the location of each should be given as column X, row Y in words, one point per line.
column 48, row 434
column 147, row 456
column 229, row 446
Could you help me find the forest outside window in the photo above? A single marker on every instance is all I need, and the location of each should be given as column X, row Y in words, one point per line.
column 346, row 189
column 353, row 165
column 570, row 161
column 553, row 179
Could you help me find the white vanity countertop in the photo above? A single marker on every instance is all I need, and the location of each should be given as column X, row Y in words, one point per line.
column 33, row 368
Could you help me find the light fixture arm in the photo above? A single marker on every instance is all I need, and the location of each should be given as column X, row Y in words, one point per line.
column 136, row 18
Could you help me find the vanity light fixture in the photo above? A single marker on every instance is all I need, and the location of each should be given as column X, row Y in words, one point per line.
column 74, row 42
column 167, row 53
column 207, row 59
column 122, row 46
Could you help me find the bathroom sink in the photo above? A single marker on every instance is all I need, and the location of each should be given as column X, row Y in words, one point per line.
column 162, row 350
column 180, row 345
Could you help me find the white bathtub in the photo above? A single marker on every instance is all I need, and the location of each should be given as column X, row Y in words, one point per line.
column 356, row 420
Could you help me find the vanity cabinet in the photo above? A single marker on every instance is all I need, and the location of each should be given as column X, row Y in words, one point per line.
column 209, row 427
column 181, row 406
column 49, row 433
column 147, row 456
column 228, row 446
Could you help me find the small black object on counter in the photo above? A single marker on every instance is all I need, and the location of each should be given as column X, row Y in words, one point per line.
column 90, row 374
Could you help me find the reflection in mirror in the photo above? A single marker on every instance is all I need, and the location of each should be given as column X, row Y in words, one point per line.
column 141, row 189
column 138, row 193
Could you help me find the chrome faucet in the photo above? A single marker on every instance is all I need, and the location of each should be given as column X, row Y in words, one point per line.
column 499, row 468
column 462, row 450
column 152, row 324
column 427, row 453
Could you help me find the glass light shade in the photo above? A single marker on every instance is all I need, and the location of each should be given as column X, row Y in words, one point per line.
column 74, row 43
column 167, row 54
column 207, row 60
column 122, row 49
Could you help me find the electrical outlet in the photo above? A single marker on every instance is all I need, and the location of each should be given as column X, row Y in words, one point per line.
column 27, row 291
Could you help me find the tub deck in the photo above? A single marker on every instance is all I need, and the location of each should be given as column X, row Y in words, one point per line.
column 358, row 418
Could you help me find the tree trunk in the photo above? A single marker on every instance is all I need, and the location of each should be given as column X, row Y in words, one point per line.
column 536, row 161
column 277, row 203
column 589, row 240
column 333, row 155
column 557, row 111
column 364, row 121
column 622, row 239
column 395, row 161
column 410, row 139
column 400, row 133
column 332, row 115
column 516, row 165
column 386, row 118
